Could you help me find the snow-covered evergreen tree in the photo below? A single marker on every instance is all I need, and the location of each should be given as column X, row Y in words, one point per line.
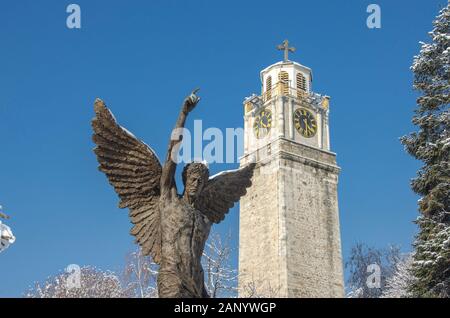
column 431, row 145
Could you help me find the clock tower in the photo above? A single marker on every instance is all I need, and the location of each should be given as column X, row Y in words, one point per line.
column 289, row 243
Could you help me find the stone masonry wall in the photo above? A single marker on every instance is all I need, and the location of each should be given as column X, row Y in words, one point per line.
column 289, row 225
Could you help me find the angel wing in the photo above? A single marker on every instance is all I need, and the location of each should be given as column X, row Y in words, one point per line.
column 133, row 169
column 222, row 191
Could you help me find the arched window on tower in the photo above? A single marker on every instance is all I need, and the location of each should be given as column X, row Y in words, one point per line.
column 301, row 85
column 268, row 88
column 283, row 78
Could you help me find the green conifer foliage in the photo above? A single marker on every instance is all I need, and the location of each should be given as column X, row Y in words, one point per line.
column 431, row 145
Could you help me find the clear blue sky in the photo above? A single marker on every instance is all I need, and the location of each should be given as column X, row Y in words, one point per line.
column 142, row 58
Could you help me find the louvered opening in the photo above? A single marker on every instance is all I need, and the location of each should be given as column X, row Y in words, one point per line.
column 301, row 85
column 283, row 78
column 268, row 87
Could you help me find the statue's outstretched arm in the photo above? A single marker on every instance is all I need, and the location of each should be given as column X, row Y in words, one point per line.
column 170, row 165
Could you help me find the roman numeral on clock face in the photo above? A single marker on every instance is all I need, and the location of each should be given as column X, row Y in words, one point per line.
column 262, row 123
column 305, row 122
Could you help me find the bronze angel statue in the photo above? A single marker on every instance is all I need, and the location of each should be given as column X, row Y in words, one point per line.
column 170, row 227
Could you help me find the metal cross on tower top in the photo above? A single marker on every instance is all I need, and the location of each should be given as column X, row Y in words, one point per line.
column 285, row 47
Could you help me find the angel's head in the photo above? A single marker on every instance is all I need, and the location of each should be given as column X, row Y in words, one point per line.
column 195, row 176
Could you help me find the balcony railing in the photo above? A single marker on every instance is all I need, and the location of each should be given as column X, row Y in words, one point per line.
column 284, row 89
column 281, row 89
